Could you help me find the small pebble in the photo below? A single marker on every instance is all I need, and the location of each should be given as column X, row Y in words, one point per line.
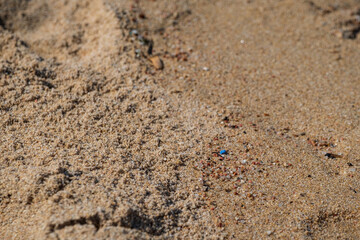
column 134, row 32
column 157, row 62
column 206, row 69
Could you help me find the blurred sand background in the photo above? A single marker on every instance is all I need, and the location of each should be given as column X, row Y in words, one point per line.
column 98, row 142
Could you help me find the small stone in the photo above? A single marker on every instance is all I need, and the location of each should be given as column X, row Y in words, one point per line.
column 269, row 233
column 134, row 32
column 157, row 62
column 338, row 34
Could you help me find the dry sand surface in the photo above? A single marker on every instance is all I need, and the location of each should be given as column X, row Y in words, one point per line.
column 113, row 114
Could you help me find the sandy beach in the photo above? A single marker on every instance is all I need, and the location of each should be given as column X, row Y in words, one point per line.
column 189, row 119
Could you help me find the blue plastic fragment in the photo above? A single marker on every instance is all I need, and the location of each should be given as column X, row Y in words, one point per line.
column 223, row 152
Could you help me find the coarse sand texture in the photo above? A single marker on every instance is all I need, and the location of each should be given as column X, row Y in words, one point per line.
column 188, row 119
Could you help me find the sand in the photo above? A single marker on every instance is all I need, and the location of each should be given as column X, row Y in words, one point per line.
column 113, row 114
